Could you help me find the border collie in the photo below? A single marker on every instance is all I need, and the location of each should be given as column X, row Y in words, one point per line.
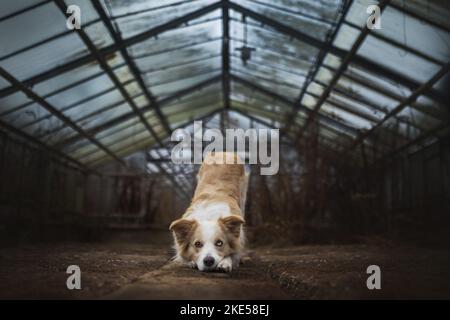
column 210, row 234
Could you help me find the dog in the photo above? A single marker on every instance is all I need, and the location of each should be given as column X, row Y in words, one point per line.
column 210, row 234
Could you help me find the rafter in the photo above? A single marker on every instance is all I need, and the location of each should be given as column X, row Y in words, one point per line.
column 417, row 140
column 105, row 66
column 319, row 61
column 112, row 76
column 289, row 102
column 225, row 63
column 413, row 97
column 337, row 75
column 134, row 133
column 115, row 34
column 269, row 125
column 165, row 144
column 107, row 51
column 130, row 115
column 264, row 114
column 43, row 103
column 368, row 65
column 57, row 153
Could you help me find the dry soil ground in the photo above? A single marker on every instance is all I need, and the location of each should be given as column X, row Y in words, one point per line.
column 137, row 266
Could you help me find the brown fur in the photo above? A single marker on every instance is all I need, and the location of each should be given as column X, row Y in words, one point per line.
column 217, row 182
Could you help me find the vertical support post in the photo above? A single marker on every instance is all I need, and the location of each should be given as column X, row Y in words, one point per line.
column 225, row 62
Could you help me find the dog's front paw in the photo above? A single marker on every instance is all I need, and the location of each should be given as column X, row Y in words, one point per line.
column 226, row 265
column 192, row 264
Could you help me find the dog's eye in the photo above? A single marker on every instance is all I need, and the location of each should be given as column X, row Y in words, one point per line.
column 219, row 243
column 198, row 244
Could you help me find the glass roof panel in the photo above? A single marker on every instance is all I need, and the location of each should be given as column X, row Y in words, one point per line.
column 134, row 17
column 435, row 10
column 394, row 59
column 415, row 33
column 179, row 58
column 178, row 37
column 281, row 12
column 12, row 7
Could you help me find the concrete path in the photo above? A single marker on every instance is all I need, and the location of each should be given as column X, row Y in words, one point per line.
column 305, row 272
column 175, row 281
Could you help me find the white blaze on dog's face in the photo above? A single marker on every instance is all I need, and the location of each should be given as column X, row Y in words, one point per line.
column 206, row 243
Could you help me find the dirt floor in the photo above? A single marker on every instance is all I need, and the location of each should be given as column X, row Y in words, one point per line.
column 137, row 266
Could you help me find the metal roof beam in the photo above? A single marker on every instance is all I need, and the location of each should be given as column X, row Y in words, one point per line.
column 366, row 102
column 390, row 94
column 324, row 126
column 413, row 97
column 131, row 64
column 75, row 104
column 358, row 114
column 131, row 115
column 206, row 116
column 48, row 148
column 357, row 60
column 399, row 45
column 104, row 65
column 417, row 140
column 245, row 114
column 337, row 75
column 104, row 52
column 225, row 55
column 425, row 18
column 26, row 9
column 319, row 61
column 128, row 136
column 43, row 103
column 304, row 109
column 59, row 90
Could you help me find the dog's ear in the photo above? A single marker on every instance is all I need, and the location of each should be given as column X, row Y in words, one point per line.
column 232, row 224
column 182, row 229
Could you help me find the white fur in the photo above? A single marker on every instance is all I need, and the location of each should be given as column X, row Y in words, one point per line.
column 210, row 211
column 208, row 229
column 226, row 264
column 207, row 215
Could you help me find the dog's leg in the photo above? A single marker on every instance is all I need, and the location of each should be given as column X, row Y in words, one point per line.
column 192, row 264
column 225, row 265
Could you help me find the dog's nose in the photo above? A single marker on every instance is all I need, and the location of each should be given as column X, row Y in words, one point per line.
column 208, row 261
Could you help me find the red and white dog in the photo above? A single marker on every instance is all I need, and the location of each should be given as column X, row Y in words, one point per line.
column 210, row 234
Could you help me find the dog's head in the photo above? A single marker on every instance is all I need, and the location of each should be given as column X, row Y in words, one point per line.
column 206, row 243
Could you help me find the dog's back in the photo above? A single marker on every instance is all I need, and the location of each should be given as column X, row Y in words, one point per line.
column 221, row 177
